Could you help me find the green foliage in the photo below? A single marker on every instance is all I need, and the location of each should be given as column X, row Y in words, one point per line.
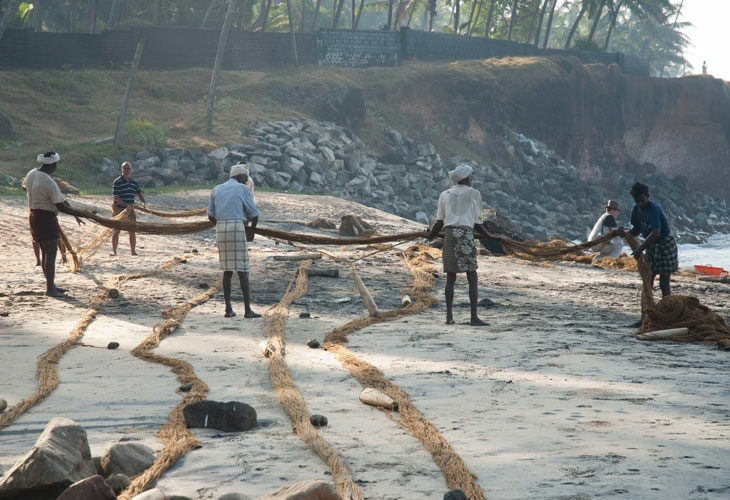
column 587, row 45
column 145, row 133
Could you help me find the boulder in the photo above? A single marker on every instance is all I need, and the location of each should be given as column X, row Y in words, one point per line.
column 3, row 405
column 153, row 494
column 455, row 495
column 219, row 154
column 228, row 417
column 59, row 458
column 129, row 459
column 91, row 488
column 304, row 490
column 118, row 482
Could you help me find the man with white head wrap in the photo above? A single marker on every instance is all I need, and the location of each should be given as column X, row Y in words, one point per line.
column 232, row 208
column 460, row 214
column 44, row 202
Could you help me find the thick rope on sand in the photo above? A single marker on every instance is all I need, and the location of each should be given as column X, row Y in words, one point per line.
column 89, row 248
column 419, row 261
column 176, row 438
column 285, row 389
column 46, row 372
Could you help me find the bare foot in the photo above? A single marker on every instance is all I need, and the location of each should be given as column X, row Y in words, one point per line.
column 55, row 292
column 250, row 314
column 450, row 320
column 38, row 263
column 477, row 322
column 134, row 253
column 229, row 313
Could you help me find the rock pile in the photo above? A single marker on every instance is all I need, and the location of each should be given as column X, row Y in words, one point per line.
column 535, row 188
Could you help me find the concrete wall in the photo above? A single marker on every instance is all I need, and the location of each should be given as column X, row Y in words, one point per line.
column 178, row 47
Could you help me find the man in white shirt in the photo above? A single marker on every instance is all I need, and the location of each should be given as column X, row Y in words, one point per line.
column 604, row 225
column 44, row 202
column 232, row 208
column 460, row 214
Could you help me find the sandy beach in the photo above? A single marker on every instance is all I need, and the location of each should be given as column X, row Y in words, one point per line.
column 554, row 399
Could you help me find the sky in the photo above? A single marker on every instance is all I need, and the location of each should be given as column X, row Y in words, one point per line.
column 710, row 35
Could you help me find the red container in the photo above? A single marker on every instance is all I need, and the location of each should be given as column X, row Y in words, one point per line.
column 709, row 270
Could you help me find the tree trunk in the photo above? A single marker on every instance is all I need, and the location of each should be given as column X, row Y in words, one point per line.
column 676, row 18
column 301, row 21
column 539, row 22
column 596, row 19
column 571, row 33
column 291, row 30
column 316, row 13
column 473, row 18
column 265, row 6
column 359, row 12
column 10, row 10
column 512, row 17
column 390, row 14
column 222, row 41
column 207, row 12
column 456, row 16
column 111, row 23
column 37, row 17
column 612, row 26
column 156, row 13
column 337, row 12
column 549, row 26
column 490, row 15
column 91, row 15
column 410, row 14
column 535, row 13
column 128, row 93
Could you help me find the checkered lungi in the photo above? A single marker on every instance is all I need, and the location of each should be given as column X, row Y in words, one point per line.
column 663, row 256
column 459, row 252
column 232, row 247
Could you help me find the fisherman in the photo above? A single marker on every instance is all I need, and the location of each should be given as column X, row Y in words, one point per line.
column 125, row 190
column 37, row 247
column 249, row 181
column 234, row 212
column 460, row 214
column 604, row 225
column 44, row 202
column 659, row 245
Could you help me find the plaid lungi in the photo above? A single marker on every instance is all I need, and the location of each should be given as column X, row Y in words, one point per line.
column 663, row 256
column 459, row 252
column 232, row 247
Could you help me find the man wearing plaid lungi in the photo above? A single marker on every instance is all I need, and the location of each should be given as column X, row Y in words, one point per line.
column 660, row 246
column 234, row 211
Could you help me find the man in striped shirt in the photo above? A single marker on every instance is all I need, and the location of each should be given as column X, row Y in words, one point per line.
column 125, row 191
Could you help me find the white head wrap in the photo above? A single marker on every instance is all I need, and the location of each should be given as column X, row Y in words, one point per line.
column 460, row 173
column 239, row 169
column 48, row 160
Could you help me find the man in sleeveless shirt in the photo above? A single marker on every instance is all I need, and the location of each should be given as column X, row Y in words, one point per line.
column 604, row 225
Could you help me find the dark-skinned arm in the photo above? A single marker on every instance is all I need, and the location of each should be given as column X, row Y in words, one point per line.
column 251, row 230
column 66, row 208
column 435, row 230
column 212, row 219
column 652, row 238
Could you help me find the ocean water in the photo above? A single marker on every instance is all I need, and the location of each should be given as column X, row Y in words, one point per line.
column 715, row 252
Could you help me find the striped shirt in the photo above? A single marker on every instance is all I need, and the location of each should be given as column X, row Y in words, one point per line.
column 126, row 190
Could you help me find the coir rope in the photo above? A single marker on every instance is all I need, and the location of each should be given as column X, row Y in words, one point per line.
column 285, row 389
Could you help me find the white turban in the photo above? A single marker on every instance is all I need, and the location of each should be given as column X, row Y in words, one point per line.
column 239, row 169
column 48, row 160
column 460, row 173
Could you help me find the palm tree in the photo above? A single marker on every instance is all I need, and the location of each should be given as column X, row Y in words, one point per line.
column 549, row 26
column 583, row 8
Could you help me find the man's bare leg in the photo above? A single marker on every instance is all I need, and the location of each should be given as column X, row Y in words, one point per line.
column 115, row 242
column 471, row 276
column 37, row 252
column 49, row 248
column 664, row 285
column 227, row 275
column 132, row 243
column 243, row 278
column 449, row 293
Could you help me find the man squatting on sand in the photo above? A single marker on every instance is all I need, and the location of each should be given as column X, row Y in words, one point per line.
column 604, row 225
column 660, row 246
column 125, row 191
column 44, row 202
column 232, row 208
column 460, row 214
